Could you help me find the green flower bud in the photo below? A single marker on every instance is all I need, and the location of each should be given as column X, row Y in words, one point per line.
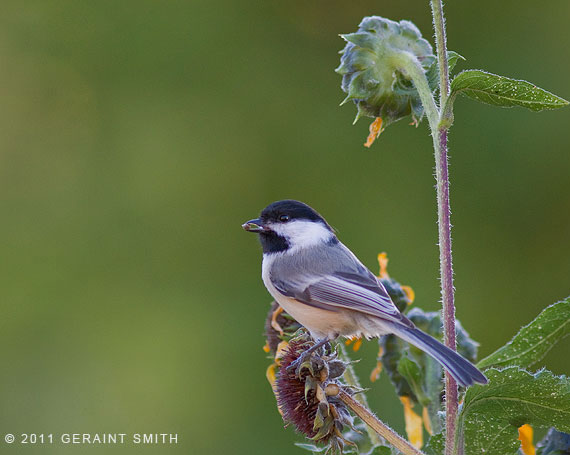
column 371, row 72
column 397, row 293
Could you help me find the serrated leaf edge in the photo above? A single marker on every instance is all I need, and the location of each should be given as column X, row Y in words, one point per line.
column 480, row 364
column 559, row 101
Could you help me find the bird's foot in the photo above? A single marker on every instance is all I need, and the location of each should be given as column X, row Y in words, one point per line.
column 305, row 361
column 302, row 362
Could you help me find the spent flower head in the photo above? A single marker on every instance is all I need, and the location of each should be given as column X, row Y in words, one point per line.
column 307, row 397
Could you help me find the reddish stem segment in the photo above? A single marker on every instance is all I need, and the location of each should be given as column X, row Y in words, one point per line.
column 446, row 272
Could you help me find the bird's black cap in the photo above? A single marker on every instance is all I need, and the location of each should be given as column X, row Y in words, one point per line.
column 295, row 210
column 282, row 212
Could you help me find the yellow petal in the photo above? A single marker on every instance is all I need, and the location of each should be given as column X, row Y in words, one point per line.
column 281, row 348
column 375, row 373
column 266, row 348
column 414, row 427
column 274, row 322
column 357, row 344
column 375, row 130
column 271, row 377
column 378, row 369
column 270, row 374
column 410, row 293
column 525, row 437
column 383, row 261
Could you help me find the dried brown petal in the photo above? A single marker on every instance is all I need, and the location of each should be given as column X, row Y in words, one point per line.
column 278, row 319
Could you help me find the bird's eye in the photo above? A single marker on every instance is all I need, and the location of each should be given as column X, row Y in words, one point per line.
column 284, row 218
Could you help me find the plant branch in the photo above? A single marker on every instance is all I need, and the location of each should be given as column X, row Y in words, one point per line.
column 411, row 67
column 378, row 426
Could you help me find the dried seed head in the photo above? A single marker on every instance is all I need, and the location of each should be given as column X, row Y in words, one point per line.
column 308, row 399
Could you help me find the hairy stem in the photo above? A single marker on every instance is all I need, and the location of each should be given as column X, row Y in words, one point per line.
column 441, row 45
column 352, row 380
column 378, row 426
column 410, row 66
column 444, row 222
column 446, row 272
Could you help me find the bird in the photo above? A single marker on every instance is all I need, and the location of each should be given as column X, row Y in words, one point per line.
column 326, row 288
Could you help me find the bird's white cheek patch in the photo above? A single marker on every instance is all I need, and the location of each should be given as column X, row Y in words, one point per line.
column 301, row 234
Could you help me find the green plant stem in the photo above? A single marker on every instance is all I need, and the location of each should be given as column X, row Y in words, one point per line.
column 378, row 426
column 439, row 126
column 352, row 380
column 411, row 67
column 441, row 46
column 444, row 223
column 439, row 122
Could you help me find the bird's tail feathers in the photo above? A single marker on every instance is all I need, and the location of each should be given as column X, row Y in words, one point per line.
column 464, row 372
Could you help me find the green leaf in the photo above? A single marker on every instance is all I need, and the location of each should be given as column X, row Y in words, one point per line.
column 433, row 385
column 491, row 414
column 503, row 91
column 382, row 450
column 452, row 59
column 411, row 372
column 432, row 73
column 435, row 445
column 534, row 340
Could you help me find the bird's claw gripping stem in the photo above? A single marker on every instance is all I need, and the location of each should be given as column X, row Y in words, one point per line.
column 304, row 359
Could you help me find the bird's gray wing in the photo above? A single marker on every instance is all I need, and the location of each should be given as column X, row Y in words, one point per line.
column 355, row 291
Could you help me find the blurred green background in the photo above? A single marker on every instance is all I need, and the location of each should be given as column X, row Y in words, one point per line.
column 136, row 137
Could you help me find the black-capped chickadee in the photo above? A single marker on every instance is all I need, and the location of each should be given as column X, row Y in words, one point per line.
column 323, row 285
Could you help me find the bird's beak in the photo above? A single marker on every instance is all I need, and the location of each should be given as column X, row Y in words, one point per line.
column 254, row 226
